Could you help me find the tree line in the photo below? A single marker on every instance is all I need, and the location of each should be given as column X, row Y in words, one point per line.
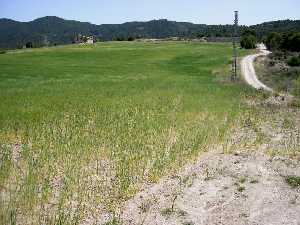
column 283, row 41
column 48, row 31
column 274, row 41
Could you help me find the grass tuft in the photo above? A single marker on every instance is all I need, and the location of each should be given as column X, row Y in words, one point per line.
column 293, row 181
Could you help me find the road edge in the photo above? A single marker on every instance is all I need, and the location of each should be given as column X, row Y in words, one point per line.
column 248, row 72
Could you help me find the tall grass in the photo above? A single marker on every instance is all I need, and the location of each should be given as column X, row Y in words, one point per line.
column 83, row 126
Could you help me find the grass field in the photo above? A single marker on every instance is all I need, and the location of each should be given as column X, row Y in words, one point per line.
column 81, row 127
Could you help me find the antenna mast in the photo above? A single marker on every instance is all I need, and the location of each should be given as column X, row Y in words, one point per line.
column 234, row 42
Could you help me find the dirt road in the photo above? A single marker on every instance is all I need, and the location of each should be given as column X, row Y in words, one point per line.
column 248, row 71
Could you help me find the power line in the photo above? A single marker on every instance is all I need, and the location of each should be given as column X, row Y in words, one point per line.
column 234, row 42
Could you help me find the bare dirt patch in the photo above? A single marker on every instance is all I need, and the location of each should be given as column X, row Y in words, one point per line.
column 239, row 188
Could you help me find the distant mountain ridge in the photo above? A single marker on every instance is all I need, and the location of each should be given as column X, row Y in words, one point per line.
column 52, row 30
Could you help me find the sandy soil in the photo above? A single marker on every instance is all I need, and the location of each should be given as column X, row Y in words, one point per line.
column 239, row 188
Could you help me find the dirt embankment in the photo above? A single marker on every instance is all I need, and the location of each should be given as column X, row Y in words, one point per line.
column 243, row 181
column 221, row 189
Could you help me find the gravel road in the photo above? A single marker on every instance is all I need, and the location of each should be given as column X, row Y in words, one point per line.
column 248, row 71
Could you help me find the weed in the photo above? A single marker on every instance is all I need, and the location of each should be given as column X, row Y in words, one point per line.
column 182, row 213
column 287, row 123
column 294, row 61
column 207, row 175
column 293, row 181
column 242, row 180
column 244, row 215
column 188, row 223
column 295, row 103
column 114, row 221
column 145, row 206
column 13, row 217
column 254, row 181
column 167, row 212
column 241, row 188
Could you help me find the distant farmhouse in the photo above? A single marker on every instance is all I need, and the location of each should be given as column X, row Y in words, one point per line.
column 82, row 39
column 90, row 40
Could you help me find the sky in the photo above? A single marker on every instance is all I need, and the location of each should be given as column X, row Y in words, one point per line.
column 120, row 11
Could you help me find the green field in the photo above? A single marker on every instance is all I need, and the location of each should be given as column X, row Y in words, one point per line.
column 81, row 127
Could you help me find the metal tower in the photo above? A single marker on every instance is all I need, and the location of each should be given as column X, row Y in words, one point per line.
column 234, row 42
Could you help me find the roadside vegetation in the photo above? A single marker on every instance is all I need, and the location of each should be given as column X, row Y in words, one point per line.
column 281, row 69
column 248, row 40
column 293, row 181
column 82, row 127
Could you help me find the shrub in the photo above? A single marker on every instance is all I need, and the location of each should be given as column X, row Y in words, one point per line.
column 294, row 61
column 248, row 32
column 120, row 39
column 29, row 45
column 277, row 55
column 291, row 42
column 248, row 42
column 272, row 63
column 293, row 181
column 2, row 52
column 296, row 87
column 295, row 103
column 286, row 41
column 273, row 41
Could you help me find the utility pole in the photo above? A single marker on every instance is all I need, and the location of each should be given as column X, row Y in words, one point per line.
column 234, row 42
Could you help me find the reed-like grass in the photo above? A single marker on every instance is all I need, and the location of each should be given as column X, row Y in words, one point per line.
column 81, row 127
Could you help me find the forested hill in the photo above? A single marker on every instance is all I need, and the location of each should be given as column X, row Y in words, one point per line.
column 54, row 30
column 281, row 26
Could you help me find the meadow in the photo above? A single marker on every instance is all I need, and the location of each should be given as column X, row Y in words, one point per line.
column 82, row 127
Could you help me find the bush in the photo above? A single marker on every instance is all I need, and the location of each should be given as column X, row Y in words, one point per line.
column 272, row 63
column 273, row 41
column 248, row 42
column 29, row 45
column 291, row 42
column 286, row 41
column 2, row 52
column 294, row 61
column 295, row 103
column 248, row 31
column 120, row 39
column 277, row 55
column 296, row 87
column 293, row 181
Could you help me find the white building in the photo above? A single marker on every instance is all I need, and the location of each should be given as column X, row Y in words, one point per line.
column 90, row 40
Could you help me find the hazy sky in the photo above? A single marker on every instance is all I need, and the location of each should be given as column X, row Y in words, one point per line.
column 119, row 11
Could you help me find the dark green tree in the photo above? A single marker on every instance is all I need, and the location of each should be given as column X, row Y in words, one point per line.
column 291, row 42
column 248, row 41
column 248, row 31
column 273, row 41
column 294, row 61
column 29, row 45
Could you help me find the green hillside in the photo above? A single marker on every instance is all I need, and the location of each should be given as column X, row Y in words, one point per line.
column 53, row 30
